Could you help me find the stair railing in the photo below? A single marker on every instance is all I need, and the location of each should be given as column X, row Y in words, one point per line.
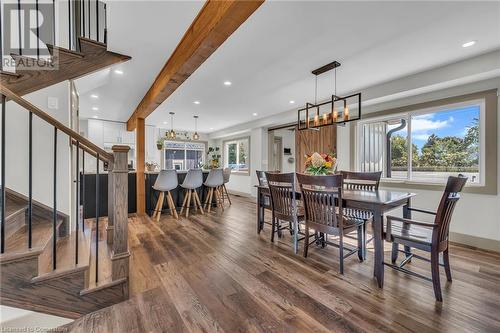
column 85, row 18
column 117, row 230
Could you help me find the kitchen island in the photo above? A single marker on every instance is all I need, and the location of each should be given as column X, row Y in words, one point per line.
column 88, row 192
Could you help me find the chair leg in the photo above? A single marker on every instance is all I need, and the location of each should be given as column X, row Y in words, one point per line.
column 361, row 243
column 209, row 199
column 183, row 202
column 160, row 206
column 273, row 228
column 188, row 202
column 155, row 211
column 341, row 249
column 446, row 259
column 173, row 209
column 395, row 252
column 198, row 202
column 436, row 283
column 306, row 241
column 227, row 194
column 365, row 226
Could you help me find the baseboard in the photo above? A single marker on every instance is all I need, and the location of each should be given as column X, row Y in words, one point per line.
column 475, row 242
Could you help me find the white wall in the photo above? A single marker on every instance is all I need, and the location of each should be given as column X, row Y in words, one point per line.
column 288, row 141
column 17, row 148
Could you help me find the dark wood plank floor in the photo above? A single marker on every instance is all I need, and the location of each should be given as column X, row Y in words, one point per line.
column 213, row 273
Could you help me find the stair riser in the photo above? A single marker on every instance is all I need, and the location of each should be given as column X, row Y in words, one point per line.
column 15, row 222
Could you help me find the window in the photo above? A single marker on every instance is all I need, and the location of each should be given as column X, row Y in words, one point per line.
column 181, row 155
column 236, row 155
column 425, row 145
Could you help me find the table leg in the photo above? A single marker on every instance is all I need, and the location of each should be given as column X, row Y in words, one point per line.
column 378, row 242
column 296, row 236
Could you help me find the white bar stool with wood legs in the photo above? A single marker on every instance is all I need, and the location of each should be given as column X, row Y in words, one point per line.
column 214, row 183
column 225, row 194
column 166, row 181
column 193, row 181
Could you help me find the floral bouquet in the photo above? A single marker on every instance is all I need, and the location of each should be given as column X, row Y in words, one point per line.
column 320, row 164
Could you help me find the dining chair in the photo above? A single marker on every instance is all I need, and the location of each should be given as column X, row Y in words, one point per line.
column 428, row 237
column 284, row 206
column 213, row 183
column 167, row 181
column 322, row 198
column 366, row 181
column 193, row 181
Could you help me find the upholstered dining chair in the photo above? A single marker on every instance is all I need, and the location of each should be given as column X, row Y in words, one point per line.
column 193, row 181
column 428, row 237
column 284, row 204
column 213, row 183
column 166, row 182
column 367, row 181
column 322, row 198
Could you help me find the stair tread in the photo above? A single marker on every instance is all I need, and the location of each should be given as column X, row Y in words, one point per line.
column 13, row 207
column 65, row 252
column 41, row 234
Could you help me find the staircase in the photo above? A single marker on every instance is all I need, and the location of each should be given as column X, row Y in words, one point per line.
column 49, row 262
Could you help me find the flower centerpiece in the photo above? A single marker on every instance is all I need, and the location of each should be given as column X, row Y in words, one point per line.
column 320, row 164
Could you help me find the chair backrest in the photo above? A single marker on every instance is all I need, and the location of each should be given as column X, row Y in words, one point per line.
column 194, row 178
column 282, row 192
column 227, row 174
column 322, row 198
column 368, row 181
column 261, row 176
column 167, row 180
column 215, row 178
column 450, row 197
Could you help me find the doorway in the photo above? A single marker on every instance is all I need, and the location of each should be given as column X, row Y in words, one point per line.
column 282, row 148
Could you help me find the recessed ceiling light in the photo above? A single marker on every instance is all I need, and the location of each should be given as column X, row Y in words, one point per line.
column 94, row 96
column 211, row 128
column 118, row 71
column 95, row 117
column 472, row 42
column 95, row 108
column 292, row 102
column 196, row 102
column 164, row 123
column 227, row 83
column 255, row 114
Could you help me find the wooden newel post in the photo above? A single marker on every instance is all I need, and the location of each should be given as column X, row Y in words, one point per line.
column 111, row 203
column 119, row 213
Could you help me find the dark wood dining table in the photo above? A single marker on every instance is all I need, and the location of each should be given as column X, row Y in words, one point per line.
column 378, row 202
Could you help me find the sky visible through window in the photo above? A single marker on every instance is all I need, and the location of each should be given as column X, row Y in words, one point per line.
column 453, row 122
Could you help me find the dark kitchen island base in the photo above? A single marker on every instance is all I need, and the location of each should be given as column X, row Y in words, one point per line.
column 177, row 194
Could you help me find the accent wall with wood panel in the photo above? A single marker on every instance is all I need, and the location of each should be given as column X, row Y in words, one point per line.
column 323, row 140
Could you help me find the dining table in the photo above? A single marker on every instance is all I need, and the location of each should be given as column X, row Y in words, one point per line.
column 378, row 202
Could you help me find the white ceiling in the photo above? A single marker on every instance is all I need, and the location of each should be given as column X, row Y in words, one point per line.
column 269, row 58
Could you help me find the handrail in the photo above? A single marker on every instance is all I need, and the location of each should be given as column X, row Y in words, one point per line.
column 104, row 155
column 88, row 150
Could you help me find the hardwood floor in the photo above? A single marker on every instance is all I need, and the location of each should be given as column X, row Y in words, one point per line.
column 213, row 273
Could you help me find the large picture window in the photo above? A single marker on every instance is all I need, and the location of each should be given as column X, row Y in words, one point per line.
column 425, row 145
column 236, row 155
column 181, row 155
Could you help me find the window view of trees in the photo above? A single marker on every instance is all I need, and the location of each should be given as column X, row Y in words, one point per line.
column 236, row 154
column 448, row 153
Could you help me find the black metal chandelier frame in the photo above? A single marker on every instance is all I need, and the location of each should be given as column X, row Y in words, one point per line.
column 334, row 116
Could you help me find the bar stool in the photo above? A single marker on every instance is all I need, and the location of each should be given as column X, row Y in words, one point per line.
column 214, row 183
column 193, row 181
column 166, row 181
column 226, row 173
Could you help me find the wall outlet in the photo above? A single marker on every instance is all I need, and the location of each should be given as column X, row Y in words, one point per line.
column 53, row 103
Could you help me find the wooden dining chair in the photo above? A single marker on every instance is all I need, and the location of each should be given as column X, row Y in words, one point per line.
column 284, row 204
column 367, row 181
column 266, row 197
column 322, row 198
column 428, row 237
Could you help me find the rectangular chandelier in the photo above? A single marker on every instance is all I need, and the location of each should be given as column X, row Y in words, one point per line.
column 338, row 110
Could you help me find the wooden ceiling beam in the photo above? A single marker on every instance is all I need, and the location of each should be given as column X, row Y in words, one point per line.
column 216, row 21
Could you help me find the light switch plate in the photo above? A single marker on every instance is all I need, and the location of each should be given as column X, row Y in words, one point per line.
column 53, row 103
